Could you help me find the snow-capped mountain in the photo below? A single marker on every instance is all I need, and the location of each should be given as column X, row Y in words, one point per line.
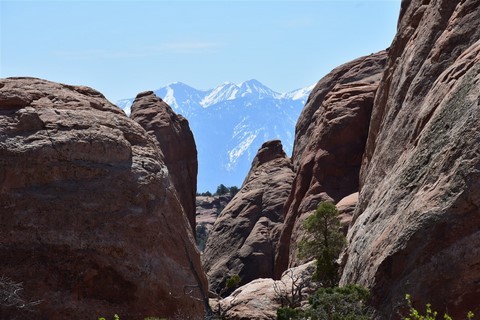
column 230, row 123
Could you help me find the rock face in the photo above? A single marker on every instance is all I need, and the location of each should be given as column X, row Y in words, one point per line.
column 207, row 210
column 209, row 207
column 330, row 139
column 90, row 221
column 175, row 139
column 245, row 234
column 417, row 222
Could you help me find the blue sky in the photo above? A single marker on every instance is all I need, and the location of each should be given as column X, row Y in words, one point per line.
column 123, row 47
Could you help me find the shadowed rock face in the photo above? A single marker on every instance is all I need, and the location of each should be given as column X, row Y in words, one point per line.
column 90, row 222
column 417, row 222
column 176, row 141
column 330, row 139
column 245, row 234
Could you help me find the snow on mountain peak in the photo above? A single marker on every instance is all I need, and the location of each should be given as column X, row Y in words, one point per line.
column 231, row 91
column 185, row 99
column 225, row 91
column 258, row 89
column 299, row 94
column 241, row 118
column 169, row 98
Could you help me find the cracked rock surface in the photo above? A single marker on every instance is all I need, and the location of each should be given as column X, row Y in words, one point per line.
column 416, row 225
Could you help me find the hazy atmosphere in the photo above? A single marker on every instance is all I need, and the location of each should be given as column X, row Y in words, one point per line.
column 123, row 47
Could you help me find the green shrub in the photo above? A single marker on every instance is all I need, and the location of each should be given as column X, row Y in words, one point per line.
column 233, row 190
column 290, row 314
column 222, row 189
column 325, row 244
column 430, row 314
column 233, row 281
column 337, row 303
column 340, row 303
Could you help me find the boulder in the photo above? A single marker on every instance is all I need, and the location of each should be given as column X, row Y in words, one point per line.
column 329, row 143
column 175, row 139
column 416, row 225
column 90, row 222
column 345, row 208
column 244, row 237
column 260, row 299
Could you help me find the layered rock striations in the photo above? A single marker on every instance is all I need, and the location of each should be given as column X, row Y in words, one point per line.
column 417, row 221
column 90, row 222
column 245, row 235
column 176, row 141
column 330, row 139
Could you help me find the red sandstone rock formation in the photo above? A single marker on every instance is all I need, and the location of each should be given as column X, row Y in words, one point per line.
column 345, row 208
column 90, row 222
column 176, row 141
column 245, row 235
column 417, row 223
column 207, row 210
column 330, row 139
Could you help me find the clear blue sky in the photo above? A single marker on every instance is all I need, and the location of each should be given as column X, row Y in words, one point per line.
column 123, row 47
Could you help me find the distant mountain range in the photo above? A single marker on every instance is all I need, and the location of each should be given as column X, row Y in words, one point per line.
column 230, row 123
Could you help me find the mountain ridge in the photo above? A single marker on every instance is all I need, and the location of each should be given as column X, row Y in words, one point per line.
column 212, row 96
column 230, row 122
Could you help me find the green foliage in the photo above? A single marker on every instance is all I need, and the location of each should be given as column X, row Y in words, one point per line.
column 338, row 303
column 222, row 308
column 233, row 281
column 430, row 314
column 290, row 314
column 234, row 190
column 325, row 244
column 222, row 189
column 205, row 194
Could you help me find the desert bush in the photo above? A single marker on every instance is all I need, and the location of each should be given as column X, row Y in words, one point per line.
column 430, row 314
column 333, row 303
column 222, row 308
